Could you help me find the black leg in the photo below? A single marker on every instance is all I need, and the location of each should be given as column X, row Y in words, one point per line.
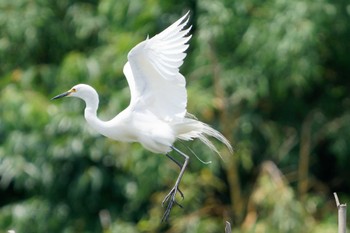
column 174, row 160
column 170, row 198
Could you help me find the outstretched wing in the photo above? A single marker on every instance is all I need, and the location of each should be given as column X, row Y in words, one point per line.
column 152, row 72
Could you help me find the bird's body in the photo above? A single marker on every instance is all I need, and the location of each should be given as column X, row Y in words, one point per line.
column 156, row 116
column 130, row 126
column 141, row 125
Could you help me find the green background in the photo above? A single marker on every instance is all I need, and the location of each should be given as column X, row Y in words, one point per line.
column 273, row 76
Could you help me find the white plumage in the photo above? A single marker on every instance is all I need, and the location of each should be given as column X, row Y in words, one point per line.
column 156, row 116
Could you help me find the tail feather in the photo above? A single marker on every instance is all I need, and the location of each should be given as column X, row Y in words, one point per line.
column 191, row 129
column 216, row 134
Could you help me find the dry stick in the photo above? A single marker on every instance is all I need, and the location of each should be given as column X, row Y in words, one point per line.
column 228, row 227
column 304, row 155
column 341, row 215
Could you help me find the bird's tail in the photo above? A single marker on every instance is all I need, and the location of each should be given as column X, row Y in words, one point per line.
column 190, row 129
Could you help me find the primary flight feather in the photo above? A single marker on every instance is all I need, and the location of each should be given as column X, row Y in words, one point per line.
column 156, row 116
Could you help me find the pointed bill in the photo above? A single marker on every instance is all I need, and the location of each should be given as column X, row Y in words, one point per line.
column 61, row 95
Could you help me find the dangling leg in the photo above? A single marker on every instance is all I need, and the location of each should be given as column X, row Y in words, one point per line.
column 180, row 166
column 174, row 160
column 170, row 198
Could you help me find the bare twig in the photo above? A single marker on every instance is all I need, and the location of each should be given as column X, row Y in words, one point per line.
column 336, row 200
column 304, row 155
column 228, row 227
column 341, row 215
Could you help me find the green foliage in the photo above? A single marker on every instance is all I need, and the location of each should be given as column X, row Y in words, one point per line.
column 272, row 75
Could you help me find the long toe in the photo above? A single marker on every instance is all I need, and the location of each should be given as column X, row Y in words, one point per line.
column 182, row 195
column 171, row 195
column 167, row 211
column 171, row 199
column 166, row 198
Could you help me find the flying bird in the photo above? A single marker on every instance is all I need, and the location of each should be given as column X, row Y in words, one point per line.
column 156, row 116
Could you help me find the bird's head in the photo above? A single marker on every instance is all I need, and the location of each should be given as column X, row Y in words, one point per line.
column 82, row 91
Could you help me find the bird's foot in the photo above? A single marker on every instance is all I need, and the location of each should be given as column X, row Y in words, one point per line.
column 170, row 199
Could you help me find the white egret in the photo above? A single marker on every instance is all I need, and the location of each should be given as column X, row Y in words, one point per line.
column 156, row 116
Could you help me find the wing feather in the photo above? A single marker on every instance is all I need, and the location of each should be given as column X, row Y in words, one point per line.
column 152, row 71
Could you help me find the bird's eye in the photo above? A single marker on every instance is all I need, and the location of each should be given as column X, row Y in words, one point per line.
column 74, row 90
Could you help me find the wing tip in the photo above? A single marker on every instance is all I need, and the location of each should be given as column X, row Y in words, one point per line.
column 183, row 21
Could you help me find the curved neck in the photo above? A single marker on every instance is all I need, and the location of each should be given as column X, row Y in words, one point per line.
column 103, row 127
column 90, row 112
